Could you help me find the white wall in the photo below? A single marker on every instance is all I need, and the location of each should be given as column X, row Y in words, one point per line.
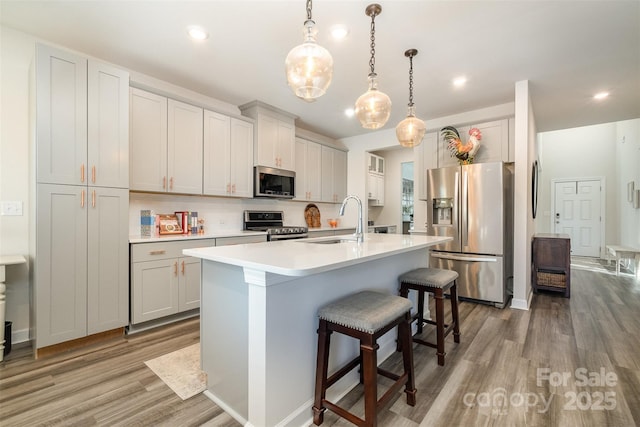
column 523, row 224
column 584, row 152
column 16, row 51
column 628, row 168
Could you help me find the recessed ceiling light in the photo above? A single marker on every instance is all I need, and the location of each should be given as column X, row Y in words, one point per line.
column 339, row 32
column 459, row 81
column 601, row 95
column 197, row 33
column 349, row 112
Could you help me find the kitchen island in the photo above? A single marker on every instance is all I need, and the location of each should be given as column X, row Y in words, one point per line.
column 258, row 317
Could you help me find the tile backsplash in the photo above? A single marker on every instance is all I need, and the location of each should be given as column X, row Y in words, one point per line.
column 222, row 213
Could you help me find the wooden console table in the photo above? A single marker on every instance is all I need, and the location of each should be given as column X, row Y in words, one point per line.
column 551, row 263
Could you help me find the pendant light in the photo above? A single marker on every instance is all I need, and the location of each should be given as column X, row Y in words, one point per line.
column 309, row 66
column 373, row 108
column 411, row 130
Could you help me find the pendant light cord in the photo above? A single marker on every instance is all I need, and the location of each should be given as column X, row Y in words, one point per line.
column 411, row 81
column 372, row 61
column 309, row 10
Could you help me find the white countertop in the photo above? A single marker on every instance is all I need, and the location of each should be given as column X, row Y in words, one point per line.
column 209, row 235
column 303, row 257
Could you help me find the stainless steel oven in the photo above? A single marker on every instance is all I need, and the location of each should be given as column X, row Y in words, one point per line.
column 272, row 222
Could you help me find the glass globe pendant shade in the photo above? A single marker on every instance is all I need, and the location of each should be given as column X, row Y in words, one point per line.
column 411, row 130
column 373, row 108
column 309, row 67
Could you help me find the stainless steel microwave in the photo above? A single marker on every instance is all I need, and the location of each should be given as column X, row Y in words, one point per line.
column 276, row 183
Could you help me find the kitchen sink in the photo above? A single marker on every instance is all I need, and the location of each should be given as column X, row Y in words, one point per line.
column 329, row 241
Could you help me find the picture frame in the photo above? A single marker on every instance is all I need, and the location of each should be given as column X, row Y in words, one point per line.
column 630, row 188
column 168, row 224
column 534, row 189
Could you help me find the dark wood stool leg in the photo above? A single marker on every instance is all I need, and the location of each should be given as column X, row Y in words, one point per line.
column 404, row 332
column 439, row 297
column 322, row 362
column 369, row 350
column 404, row 293
column 454, row 313
column 420, row 310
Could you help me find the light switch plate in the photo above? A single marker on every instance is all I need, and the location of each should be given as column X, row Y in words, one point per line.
column 11, row 208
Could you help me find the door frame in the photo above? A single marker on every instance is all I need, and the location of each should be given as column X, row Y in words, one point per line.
column 603, row 197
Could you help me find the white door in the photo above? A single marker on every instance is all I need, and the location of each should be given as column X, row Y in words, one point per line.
column 577, row 213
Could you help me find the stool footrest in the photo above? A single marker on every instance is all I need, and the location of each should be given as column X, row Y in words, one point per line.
column 343, row 413
column 343, row 371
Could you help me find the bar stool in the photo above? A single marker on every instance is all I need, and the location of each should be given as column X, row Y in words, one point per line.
column 434, row 281
column 365, row 316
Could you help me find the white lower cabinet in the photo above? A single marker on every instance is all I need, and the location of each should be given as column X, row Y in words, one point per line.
column 81, row 273
column 163, row 281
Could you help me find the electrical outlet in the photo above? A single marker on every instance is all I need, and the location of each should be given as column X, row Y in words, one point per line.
column 11, row 208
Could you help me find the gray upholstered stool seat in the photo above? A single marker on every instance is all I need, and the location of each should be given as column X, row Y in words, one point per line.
column 432, row 277
column 365, row 311
column 435, row 281
column 365, row 316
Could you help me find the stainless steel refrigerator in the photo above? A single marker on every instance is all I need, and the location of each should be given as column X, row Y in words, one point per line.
column 474, row 205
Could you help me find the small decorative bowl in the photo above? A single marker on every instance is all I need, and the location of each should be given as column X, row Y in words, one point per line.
column 333, row 223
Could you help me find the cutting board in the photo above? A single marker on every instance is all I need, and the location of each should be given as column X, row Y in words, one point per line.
column 312, row 216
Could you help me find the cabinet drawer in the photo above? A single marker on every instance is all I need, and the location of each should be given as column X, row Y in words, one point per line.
column 163, row 250
column 225, row 241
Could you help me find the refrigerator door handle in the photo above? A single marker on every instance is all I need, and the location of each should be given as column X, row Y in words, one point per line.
column 464, row 257
column 465, row 209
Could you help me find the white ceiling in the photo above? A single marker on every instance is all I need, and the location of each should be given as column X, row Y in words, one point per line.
column 568, row 50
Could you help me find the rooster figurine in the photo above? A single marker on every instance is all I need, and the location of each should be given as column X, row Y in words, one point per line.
column 464, row 152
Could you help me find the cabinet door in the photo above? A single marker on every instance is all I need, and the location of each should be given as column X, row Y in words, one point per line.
column 189, row 284
column 425, row 157
column 241, row 171
column 108, row 120
column 302, row 192
column 265, row 150
column 61, row 264
column 286, row 146
column 61, row 111
column 372, row 187
column 340, row 175
column 380, row 190
column 108, row 259
column 184, row 148
column 328, row 195
column 147, row 141
column 217, row 135
column 494, row 145
column 154, row 289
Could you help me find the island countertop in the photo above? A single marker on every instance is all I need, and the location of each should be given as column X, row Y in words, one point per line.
column 303, row 257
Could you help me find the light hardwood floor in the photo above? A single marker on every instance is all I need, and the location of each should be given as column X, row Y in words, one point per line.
column 512, row 368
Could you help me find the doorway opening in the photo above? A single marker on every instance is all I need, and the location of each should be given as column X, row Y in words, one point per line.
column 407, row 196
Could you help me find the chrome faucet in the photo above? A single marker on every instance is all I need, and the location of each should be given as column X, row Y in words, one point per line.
column 359, row 233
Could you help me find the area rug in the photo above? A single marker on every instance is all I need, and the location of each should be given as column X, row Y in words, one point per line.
column 180, row 370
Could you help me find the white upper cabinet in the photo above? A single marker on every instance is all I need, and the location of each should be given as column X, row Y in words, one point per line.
column 61, row 115
column 184, row 148
column 426, row 157
column 108, row 119
column 148, row 141
column 228, row 156
column 308, row 170
column 82, row 120
column 376, row 164
column 275, row 136
column 334, row 173
column 495, row 145
column 165, row 144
